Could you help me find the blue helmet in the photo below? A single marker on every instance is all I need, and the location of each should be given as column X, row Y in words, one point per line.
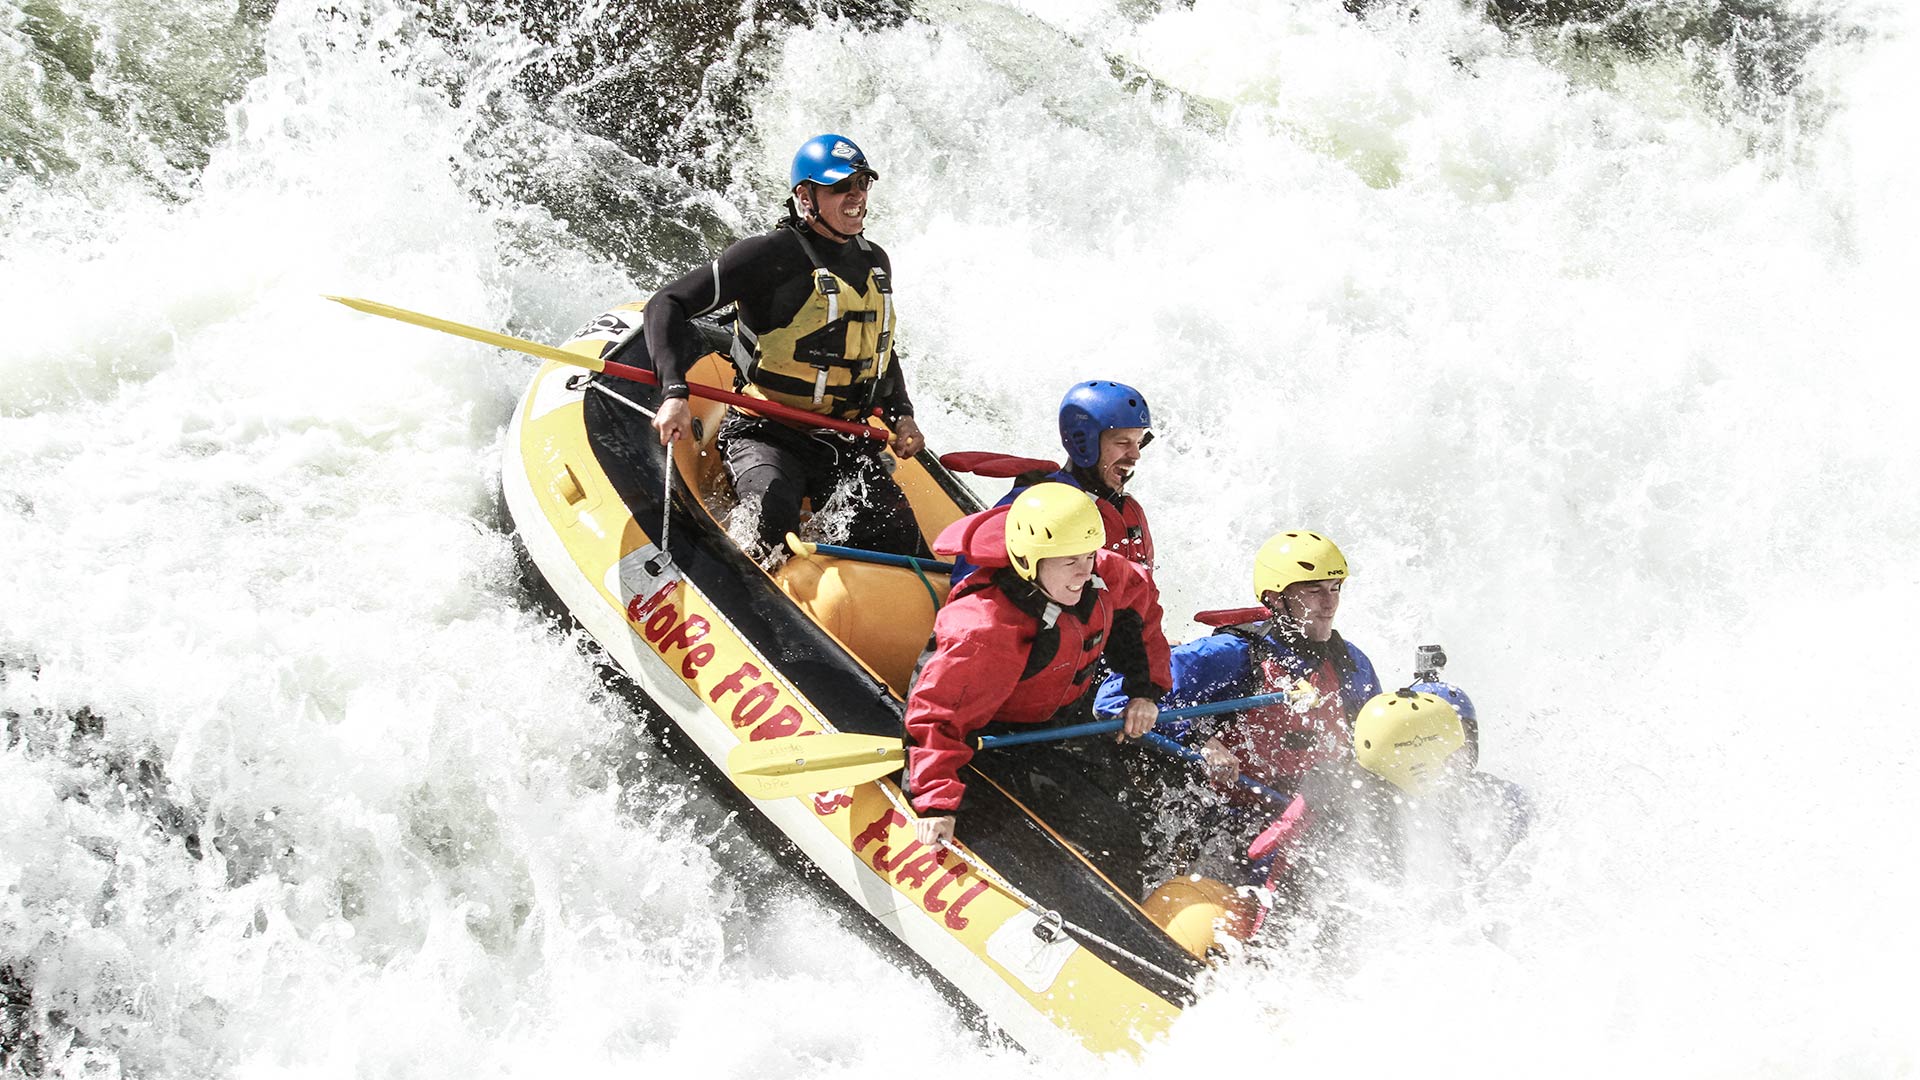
column 1093, row 407
column 1448, row 693
column 829, row 159
column 1463, row 705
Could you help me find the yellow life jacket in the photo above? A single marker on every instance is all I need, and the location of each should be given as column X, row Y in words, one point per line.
column 829, row 358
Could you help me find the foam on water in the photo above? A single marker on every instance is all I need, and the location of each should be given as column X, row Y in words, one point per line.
column 1601, row 388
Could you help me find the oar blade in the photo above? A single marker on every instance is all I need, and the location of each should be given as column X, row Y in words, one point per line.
column 784, row 768
column 595, row 363
column 471, row 333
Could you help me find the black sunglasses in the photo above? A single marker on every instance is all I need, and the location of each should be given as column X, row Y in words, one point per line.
column 863, row 181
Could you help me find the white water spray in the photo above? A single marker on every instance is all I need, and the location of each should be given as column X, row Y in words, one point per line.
column 1602, row 389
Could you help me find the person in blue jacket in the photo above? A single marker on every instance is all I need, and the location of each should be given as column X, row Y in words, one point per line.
column 1298, row 577
column 1103, row 426
column 1508, row 808
column 1411, row 809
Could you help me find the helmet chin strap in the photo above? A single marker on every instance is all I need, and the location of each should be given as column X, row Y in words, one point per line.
column 810, row 205
column 1282, row 623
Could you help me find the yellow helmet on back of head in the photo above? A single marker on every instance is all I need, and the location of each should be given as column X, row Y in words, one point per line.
column 1296, row 556
column 1405, row 738
column 1050, row 521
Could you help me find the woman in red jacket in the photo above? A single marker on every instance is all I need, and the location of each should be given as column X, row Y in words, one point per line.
column 1018, row 645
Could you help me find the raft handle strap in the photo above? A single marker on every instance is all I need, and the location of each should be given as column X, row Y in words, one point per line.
column 922, row 575
column 1053, row 922
column 660, row 561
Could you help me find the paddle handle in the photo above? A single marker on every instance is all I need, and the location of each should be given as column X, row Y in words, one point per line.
column 1105, row 727
column 754, row 404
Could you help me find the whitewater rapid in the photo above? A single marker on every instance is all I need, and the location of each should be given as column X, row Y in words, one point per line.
column 1598, row 367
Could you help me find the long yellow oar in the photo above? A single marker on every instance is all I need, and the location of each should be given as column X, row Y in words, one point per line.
column 782, row 768
column 594, row 363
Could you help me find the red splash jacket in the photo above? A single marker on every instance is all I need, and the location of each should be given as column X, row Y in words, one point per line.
column 1004, row 653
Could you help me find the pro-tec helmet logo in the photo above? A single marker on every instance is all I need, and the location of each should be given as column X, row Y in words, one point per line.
column 845, row 150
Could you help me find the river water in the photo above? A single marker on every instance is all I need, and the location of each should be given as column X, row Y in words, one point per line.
column 1589, row 339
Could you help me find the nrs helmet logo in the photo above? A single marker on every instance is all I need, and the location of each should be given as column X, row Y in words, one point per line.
column 845, row 150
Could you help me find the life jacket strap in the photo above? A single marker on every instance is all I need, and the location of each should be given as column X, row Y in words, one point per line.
column 827, row 286
column 884, row 282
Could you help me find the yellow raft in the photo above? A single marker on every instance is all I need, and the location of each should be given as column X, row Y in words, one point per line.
column 1026, row 927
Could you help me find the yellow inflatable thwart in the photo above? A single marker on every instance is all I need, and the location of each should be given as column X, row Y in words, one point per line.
column 1195, row 911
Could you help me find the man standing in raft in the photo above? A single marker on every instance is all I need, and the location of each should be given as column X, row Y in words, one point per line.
column 1103, row 426
column 1017, row 646
column 814, row 330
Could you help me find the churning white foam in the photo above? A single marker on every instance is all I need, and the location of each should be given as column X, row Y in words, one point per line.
column 1588, row 387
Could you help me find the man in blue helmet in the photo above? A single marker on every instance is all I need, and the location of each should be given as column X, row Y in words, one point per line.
column 1427, row 662
column 1506, row 810
column 814, row 329
column 1409, row 808
column 1103, row 426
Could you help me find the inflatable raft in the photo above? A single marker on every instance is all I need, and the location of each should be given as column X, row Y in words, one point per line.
column 1023, row 925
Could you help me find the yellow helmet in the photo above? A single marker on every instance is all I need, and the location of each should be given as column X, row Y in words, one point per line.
column 1049, row 521
column 1403, row 738
column 1296, row 556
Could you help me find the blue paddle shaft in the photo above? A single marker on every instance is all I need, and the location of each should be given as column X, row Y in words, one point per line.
column 1105, row 727
column 883, row 558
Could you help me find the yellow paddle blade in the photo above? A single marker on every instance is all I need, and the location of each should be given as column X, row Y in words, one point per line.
column 783, row 768
column 473, row 333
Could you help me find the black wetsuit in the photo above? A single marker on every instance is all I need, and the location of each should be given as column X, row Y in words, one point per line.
column 775, row 465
